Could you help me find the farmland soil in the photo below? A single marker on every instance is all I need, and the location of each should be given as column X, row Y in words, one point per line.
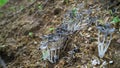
column 23, row 22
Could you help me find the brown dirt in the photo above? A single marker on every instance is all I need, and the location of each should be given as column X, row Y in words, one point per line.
column 19, row 50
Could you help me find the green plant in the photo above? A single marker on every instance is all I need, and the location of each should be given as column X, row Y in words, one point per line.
column 51, row 29
column 74, row 11
column 40, row 7
column 116, row 20
column 111, row 12
column 30, row 34
column 3, row 2
column 21, row 7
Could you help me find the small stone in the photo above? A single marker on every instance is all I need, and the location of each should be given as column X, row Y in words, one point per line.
column 95, row 62
column 86, row 41
column 89, row 29
column 88, row 36
column 37, row 63
column 110, row 62
column 35, row 42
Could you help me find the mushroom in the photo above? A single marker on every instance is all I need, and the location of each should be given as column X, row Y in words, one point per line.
column 104, row 38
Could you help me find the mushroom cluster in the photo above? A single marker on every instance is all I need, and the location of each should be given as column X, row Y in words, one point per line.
column 104, row 38
column 74, row 20
column 51, row 47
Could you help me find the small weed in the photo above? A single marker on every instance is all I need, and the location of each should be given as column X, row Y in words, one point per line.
column 3, row 2
column 30, row 34
column 51, row 29
column 116, row 20
column 74, row 11
column 21, row 7
column 111, row 12
column 40, row 7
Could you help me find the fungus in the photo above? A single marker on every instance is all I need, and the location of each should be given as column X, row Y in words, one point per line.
column 104, row 38
column 51, row 47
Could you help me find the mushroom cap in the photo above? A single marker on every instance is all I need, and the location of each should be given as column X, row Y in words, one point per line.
column 106, row 29
column 53, row 48
column 43, row 45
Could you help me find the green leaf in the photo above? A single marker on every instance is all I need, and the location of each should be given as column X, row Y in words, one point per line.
column 111, row 12
column 21, row 7
column 31, row 34
column 40, row 7
column 51, row 29
column 74, row 11
column 3, row 2
column 116, row 20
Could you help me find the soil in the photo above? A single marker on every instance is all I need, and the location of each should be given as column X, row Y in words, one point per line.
column 19, row 49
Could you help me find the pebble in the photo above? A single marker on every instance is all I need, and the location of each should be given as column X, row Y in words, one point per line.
column 88, row 36
column 89, row 29
column 37, row 63
column 111, row 62
column 95, row 62
column 86, row 41
column 35, row 42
